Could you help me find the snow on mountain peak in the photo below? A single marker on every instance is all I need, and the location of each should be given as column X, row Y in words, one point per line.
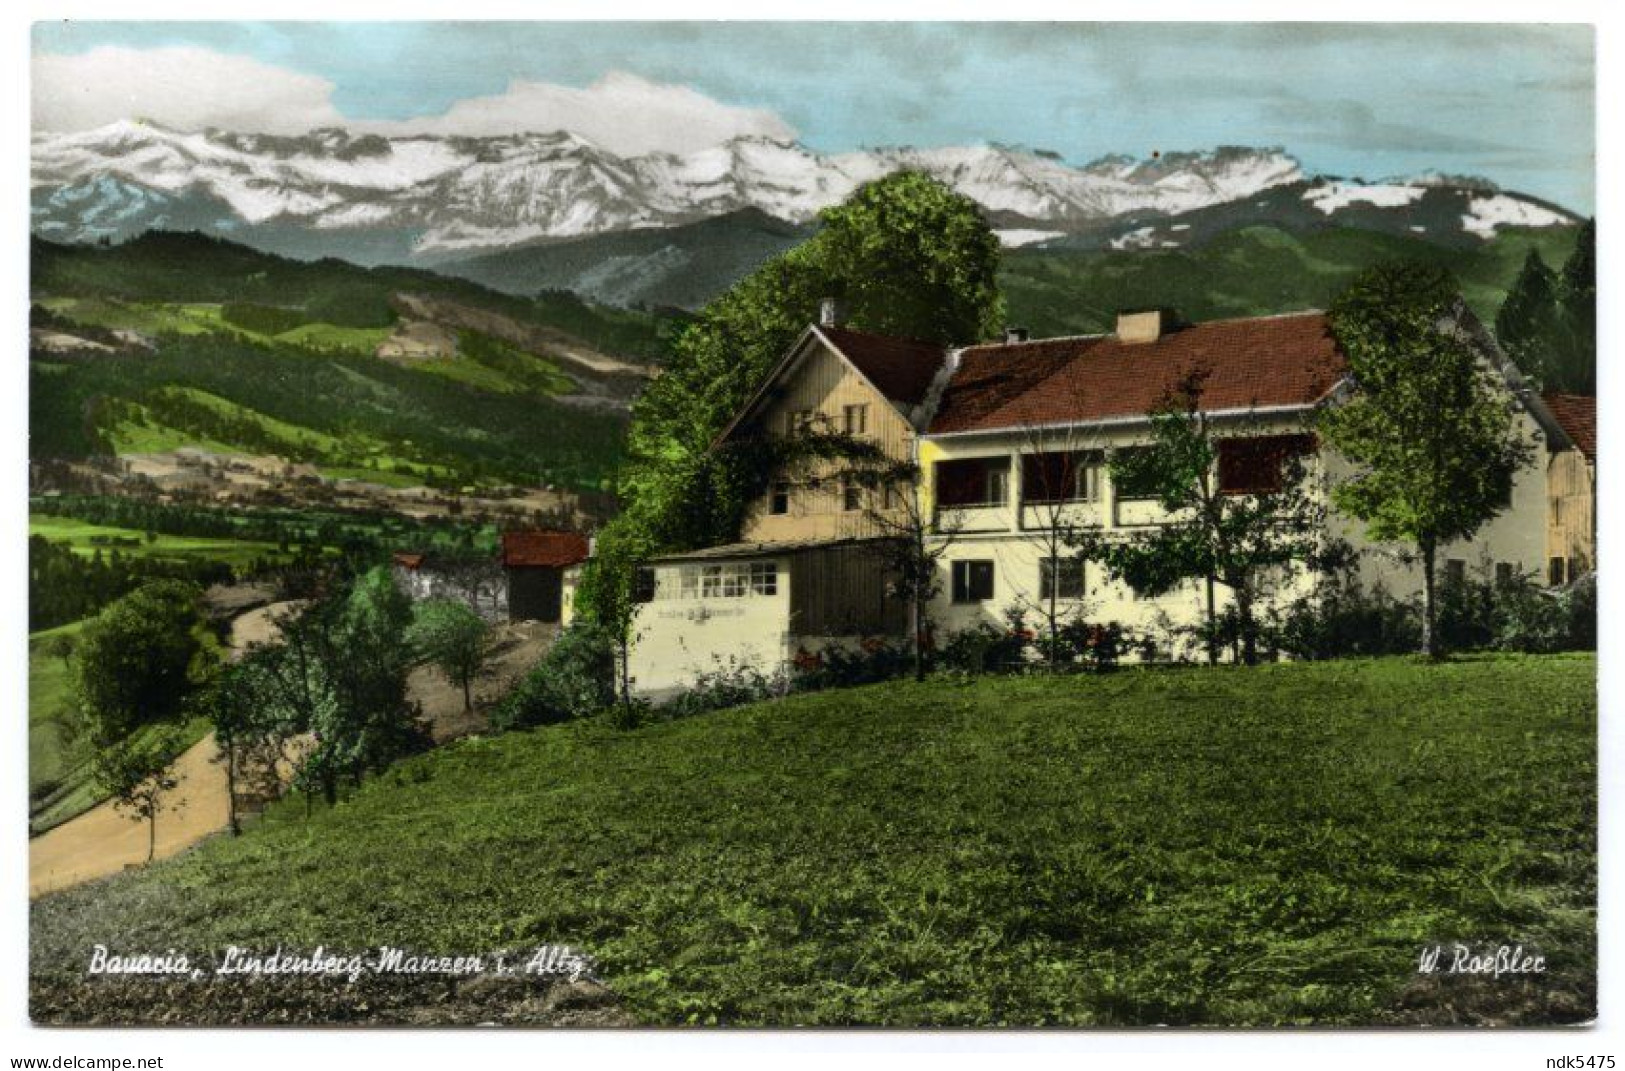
column 445, row 193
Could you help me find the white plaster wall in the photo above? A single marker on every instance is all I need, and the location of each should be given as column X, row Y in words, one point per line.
column 677, row 639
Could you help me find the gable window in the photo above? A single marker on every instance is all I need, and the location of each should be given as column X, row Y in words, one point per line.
column 1455, row 571
column 779, row 500
column 799, row 422
column 1060, row 476
column 973, row 581
column 1060, row 578
column 855, row 419
column 1557, row 572
column 979, row 481
column 1503, row 574
column 851, row 493
column 1257, row 466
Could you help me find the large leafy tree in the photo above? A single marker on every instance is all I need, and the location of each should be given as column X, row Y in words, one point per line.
column 1430, row 433
column 338, row 673
column 139, row 660
column 907, row 256
column 138, row 663
column 1209, row 535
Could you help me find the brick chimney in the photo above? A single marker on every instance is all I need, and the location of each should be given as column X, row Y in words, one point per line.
column 831, row 311
column 1144, row 325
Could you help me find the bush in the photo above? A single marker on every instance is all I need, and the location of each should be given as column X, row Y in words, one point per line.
column 1099, row 646
column 1537, row 620
column 985, row 648
column 1345, row 620
column 875, row 659
column 731, row 684
column 575, row 678
column 1476, row 613
column 1581, row 600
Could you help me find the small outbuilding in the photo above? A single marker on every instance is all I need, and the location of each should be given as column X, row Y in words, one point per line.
column 534, row 563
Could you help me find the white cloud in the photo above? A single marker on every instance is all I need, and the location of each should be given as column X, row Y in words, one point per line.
column 191, row 88
column 181, row 87
column 621, row 112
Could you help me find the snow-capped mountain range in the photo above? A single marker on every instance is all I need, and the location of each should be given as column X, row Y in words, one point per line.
column 371, row 198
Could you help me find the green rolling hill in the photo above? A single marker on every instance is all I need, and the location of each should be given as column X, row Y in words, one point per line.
column 397, row 375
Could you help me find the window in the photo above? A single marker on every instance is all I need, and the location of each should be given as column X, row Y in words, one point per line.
column 1136, row 484
column 980, row 481
column 728, row 581
column 764, row 578
column 851, row 493
column 643, row 585
column 855, row 419
column 973, row 581
column 1257, row 466
column 1060, row 476
column 1069, row 573
column 1455, row 571
column 779, row 500
column 1557, row 572
column 1503, row 573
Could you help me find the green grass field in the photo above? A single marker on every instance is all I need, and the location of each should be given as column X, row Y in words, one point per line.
column 204, row 318
column 60, row 782
column 86, row 539
column 1208, row 846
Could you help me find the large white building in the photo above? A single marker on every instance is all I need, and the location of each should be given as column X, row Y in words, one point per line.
column 1011, row 440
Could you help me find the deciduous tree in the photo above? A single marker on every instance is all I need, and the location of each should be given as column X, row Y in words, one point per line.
column 454, row 639
column 1430, row 433
column 1214, row 534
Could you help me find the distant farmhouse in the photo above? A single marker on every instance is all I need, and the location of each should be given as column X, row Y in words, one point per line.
column 524, row 582
column 1011, row 439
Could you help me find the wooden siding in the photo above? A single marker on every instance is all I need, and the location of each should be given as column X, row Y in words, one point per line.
column 822, row 384
column 842, row 591
column 1571, row 518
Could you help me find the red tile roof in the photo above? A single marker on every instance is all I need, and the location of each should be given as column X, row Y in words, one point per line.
column 901, row 369
column 410, row 561
column 555, row 549
column 1259, row 362
column 1576, row 414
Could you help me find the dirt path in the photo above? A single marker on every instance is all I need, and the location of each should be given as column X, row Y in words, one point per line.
column 518, row 647
column 104, row 841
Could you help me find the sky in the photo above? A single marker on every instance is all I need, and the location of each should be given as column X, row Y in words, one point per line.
column 1514, row 103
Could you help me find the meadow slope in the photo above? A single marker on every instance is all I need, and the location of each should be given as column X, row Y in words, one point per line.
column 1266, row 846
